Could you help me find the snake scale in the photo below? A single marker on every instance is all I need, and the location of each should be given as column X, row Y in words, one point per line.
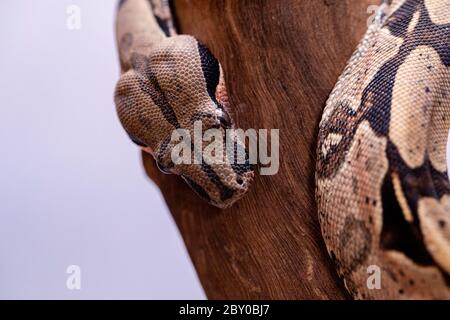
column 382, row 184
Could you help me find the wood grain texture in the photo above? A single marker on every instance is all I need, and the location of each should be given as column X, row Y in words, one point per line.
column 281, row 59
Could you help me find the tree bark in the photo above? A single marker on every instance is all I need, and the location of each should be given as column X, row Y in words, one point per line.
column 281, row 60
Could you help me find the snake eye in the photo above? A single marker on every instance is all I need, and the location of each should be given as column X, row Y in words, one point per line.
column 162, row 168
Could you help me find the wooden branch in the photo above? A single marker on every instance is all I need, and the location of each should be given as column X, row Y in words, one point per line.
column 281, row 59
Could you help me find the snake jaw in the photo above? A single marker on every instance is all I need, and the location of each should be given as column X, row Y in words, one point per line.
column 222, row 183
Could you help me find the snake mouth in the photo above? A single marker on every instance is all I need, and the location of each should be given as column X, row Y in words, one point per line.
column 227, row 197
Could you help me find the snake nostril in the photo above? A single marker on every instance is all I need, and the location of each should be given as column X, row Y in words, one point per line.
column 240, row 181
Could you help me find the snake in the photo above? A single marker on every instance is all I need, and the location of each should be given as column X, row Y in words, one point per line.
column 382, row 185
column 169, row 82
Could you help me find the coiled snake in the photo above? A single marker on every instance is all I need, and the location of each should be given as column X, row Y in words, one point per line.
column 383, row 191
column 382, row 182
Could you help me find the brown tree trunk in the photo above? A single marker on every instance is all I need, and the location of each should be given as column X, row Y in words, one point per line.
column 281, row 60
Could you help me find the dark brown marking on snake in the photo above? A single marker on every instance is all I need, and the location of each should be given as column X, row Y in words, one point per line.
column 330, row 163
column 200, row 116
column 398, row 23
column 198, row 189
column 211, row 70
column 163, row 21
column 149, row 84
column 126, row 41
column 125, row 44
column 397, row 234
column 125, row 101
column 240, row 168
column 121, row 3
column 424, row 181
column 225, row 192
column 161, row 153
column 425, row 33
column 354, row 232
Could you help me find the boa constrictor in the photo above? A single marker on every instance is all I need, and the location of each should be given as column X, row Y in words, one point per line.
column 169, row 82
column 382, row 182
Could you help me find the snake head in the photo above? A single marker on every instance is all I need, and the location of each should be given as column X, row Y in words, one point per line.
column 219, row 179
column 168, row 92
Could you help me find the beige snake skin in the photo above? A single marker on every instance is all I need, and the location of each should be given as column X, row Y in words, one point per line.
column 169, row 82
column 382, row 182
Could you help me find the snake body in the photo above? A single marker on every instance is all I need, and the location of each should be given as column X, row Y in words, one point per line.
column 383, row 190
column 169, row 82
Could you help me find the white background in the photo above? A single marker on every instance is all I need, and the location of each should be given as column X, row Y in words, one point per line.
column 72, row 186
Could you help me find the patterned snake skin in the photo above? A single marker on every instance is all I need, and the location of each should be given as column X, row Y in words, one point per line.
column 383, row 191
column 168, row 82
column 382, row 182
